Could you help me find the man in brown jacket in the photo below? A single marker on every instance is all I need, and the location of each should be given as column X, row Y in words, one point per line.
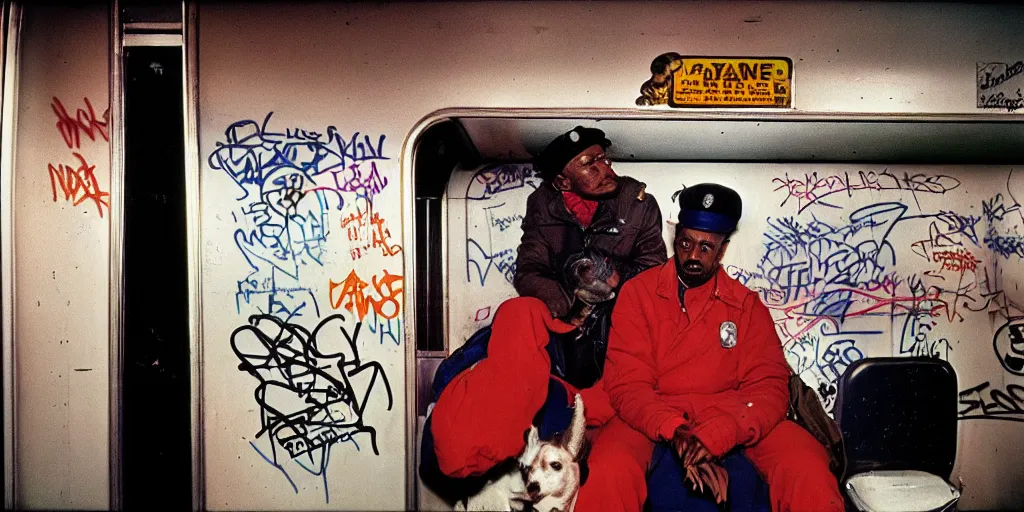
column 586, row 231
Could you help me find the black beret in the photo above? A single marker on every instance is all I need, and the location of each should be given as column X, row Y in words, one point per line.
column 565, row 147
column 710, row 207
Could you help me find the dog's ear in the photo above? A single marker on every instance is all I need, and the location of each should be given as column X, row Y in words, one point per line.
column 532, row 437
column 532, row 446
column 577, row 430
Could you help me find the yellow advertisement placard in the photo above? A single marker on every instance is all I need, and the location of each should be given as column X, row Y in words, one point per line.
column 700, row 81
column 732, row 82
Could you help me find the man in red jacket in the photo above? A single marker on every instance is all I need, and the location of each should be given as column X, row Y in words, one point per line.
column 694, row 361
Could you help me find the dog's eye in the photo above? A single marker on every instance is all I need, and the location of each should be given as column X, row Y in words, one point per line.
column 557, row 466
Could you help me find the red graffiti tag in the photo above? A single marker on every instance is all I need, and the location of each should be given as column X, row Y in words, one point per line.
column 862, row 302
column 354, row 298
column 78, row 185
column 85, row 121
column 960, row 260
column 368, row 227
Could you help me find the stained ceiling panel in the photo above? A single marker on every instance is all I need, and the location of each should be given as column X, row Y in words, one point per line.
column 665, row 136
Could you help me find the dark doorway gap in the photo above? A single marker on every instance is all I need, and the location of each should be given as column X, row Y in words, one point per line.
column 156, row 409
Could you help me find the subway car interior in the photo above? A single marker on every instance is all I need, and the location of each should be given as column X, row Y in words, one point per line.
column 239, row 238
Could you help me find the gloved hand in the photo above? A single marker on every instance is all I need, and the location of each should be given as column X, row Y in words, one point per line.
column 593, row 278
column 595, row 291
column 700, row 467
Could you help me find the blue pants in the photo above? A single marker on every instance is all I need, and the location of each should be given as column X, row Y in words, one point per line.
column 666, row 491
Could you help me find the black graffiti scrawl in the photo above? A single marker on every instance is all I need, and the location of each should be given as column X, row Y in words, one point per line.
column 983, row 402
column 1000, row 84
column 313, row 389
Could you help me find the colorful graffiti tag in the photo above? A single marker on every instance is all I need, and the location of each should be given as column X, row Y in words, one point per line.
column 295, row 185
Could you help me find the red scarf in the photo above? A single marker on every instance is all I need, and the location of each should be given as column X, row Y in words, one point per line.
column 582, row 209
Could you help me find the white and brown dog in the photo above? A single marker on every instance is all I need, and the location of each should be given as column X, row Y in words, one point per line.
column 548, row 479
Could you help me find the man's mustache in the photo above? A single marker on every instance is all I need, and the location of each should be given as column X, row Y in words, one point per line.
column 693, row 263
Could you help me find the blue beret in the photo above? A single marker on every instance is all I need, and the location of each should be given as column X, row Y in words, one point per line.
column 710, row 207
column 565, row 147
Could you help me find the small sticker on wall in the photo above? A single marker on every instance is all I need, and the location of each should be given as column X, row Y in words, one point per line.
column 1000, row 85
column 721, row 82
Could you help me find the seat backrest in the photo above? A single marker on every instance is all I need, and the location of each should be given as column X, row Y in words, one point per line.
column 899, row 413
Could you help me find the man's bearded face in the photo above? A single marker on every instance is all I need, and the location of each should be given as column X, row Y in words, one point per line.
column 698, row 254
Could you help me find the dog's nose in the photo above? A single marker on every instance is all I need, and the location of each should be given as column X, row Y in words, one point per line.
column 533, row 487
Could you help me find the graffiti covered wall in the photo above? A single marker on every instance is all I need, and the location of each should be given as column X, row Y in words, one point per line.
column 485, row 214
column 301, row 241
column 853, row 261
column 298, row 204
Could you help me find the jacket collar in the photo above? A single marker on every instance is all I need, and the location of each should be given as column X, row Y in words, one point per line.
column 726, row 288
column 557, row 208
column 606, row 210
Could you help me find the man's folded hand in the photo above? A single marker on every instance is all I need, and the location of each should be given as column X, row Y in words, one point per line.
column 701, row 470
column 712, row 475
column 696, row 454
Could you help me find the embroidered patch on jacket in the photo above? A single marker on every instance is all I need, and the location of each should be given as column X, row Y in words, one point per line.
column 727, row 332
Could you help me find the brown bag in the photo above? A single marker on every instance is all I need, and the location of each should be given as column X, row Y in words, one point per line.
column 805, row 409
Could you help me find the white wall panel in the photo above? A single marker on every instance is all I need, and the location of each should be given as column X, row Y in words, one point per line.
column 61, row 255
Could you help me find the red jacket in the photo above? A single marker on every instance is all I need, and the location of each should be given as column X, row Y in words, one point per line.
column 667, row 365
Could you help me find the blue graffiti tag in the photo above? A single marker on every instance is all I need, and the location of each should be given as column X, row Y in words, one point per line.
column 290, row 182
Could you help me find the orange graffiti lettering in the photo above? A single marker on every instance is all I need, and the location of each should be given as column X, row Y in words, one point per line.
column 85, row 121
column 381, row 236
column 383, row 297
column 78, row 185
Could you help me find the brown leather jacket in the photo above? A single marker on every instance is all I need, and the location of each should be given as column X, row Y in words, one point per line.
column 626, row 227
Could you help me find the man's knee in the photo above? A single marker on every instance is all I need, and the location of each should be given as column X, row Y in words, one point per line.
column 786, row 443
column 809, row 490
column 523, row 325
column 618, row 470
column 616, row 460
column 617, row 481
column 519, row 307
column 800, row 479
